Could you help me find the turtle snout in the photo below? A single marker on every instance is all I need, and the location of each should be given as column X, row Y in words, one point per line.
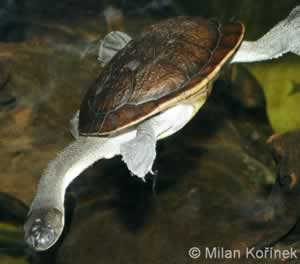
column 40, row 237
column 43, row 228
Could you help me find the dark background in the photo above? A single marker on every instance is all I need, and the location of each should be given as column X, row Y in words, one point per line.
column 15, row 14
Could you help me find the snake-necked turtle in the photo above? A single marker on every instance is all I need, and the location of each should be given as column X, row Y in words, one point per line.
column 149, row 88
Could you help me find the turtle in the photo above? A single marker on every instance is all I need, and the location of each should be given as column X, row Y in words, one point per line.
column 150, row 87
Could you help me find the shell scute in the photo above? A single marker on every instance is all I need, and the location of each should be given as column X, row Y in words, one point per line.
column 159, row 65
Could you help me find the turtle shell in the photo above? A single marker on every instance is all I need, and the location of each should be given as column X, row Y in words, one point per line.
column 168, row 62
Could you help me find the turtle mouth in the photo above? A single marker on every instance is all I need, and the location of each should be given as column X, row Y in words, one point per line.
column 43, row 228
column 40, row 238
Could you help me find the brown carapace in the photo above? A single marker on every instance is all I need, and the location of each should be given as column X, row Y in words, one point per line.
column 169, row 62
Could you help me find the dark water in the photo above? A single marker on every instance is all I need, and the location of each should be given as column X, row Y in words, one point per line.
column 217, row 183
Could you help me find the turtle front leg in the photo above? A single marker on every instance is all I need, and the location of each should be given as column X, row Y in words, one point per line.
column 139, row 153
column 282, row 38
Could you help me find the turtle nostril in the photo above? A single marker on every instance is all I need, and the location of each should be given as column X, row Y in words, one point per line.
column 31, row 241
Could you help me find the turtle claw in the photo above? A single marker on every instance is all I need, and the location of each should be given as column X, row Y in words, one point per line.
column 43, row 228
column 154, row 172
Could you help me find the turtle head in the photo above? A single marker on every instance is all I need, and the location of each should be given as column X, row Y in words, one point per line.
column 43, row 228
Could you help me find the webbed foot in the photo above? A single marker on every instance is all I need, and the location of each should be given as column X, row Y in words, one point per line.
column 139, row 154
column 111, row 45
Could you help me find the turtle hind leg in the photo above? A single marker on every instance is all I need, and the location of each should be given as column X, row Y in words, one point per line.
column 139, row 153
column 282, row 38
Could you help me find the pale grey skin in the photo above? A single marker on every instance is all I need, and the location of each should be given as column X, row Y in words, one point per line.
column 46, row 217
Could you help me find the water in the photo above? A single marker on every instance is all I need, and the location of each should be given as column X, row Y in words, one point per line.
column 216, row 180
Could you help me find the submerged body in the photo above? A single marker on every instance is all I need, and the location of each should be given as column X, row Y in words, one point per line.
column 149, row 89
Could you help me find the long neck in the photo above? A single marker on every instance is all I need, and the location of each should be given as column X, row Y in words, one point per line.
column 74, row 159
column 270, row 46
